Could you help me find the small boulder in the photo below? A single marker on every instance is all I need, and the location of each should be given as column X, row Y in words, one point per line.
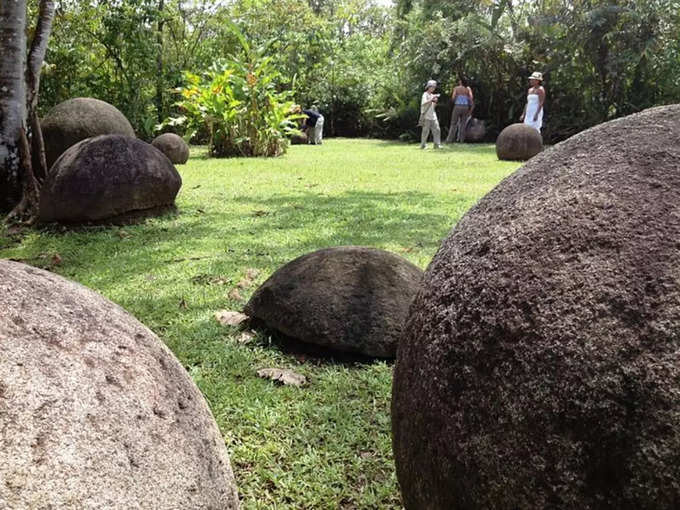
column 518, row 142
column 347, row 298
column 475, row 130
column 107, row 177
column 300, row 139
column 95, row 411
column 540, row 364
column 77, row 119
column 173, row 146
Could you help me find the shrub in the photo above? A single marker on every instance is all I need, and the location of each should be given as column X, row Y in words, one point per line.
column 238, row 103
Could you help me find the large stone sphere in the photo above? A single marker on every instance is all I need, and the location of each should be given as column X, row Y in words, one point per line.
column 540, row 365
column 475, row 131
column 173, row 146
column 518, row 142
column 77, row 119
column 95, row 411
column 347, row 298
column 107, row 177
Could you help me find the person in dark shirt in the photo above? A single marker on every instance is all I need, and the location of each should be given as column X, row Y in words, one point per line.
column 314, row 126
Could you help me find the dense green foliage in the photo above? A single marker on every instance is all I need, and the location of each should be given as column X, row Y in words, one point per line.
column 237, row 104
column 326, row 445
column 363, row 64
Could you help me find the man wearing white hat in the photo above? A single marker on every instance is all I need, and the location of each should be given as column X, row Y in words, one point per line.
column 428, row 117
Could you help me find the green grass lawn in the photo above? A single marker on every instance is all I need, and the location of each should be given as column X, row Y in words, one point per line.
column 326, row 445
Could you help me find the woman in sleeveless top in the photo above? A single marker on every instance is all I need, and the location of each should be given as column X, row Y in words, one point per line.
column 533, row 110
column 463, row 103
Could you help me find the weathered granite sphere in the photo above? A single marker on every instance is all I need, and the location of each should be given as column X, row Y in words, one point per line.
column 300, row 139
column 77, row 119
column 518, row 142
column 540, row 365
column 107, row 177
column 95, row 411
column 347, row 298
column 173, row 146
column 475, row 130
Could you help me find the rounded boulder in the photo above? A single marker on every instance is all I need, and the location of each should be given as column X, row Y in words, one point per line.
column 107, row 177
column 95, row 411
column 475, row 130
column 347, row 298
column 540, row 364
column 518, row 142
column 77, row 119
column 173, row 146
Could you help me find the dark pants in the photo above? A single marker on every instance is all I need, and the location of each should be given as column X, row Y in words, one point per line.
column 459, row 119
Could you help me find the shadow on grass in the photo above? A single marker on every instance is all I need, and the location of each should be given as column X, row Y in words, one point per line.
column 306, row 352
column 174, row 258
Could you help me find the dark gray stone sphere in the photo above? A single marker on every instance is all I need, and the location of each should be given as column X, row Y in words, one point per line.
column 106, row 177
column 173, row 146
column 518, row 142
column 475, row 130
column 77, row 119
column 95, row 411
column 540, row 365
column 348, row 298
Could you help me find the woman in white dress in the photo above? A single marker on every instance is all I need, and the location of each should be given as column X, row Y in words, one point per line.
column 533, row 110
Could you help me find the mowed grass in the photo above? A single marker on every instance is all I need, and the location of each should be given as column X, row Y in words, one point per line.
column 325, row 445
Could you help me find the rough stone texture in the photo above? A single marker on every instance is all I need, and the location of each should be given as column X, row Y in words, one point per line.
column 77, row 119
column 106, row 177
column 173, row 146
column 95, row 411
column 475, row 131
column 518, row 142
column 347, row 298
column 299, row 139
column 540, row 366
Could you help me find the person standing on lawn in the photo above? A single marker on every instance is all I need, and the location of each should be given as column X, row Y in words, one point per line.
column 463, row 103
column 314, row 126
column 428, row 117
column 533, row 110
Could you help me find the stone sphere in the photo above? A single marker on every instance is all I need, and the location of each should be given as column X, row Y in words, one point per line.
column 475, row 130
column 173, row 146
column 107, row 177
column 77, row 119
column 95, row 411
column 347, row 298
column 301, row 139
column 540, row 364
column 518, row 142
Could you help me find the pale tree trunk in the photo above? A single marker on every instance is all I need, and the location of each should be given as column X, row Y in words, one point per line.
column 12, row 98
column 22, row 155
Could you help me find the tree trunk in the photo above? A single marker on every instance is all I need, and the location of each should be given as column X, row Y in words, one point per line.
column 35, row 60
column 12, row 99
column 160, row 82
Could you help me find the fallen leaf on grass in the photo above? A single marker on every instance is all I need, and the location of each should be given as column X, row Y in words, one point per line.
column 56, row 260
column 183, row 303
column 260, row 213
column 246, row 337
column 283, row 375
column 230, row 318
column 235, row 295
column 252, row 273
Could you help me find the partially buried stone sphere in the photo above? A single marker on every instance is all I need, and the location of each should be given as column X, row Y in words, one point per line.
column 95, row 411
column 173, row 146
column 77, row 119
column 518, row 142
column 540, row 365
column 347, row 298
column 107, row 177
